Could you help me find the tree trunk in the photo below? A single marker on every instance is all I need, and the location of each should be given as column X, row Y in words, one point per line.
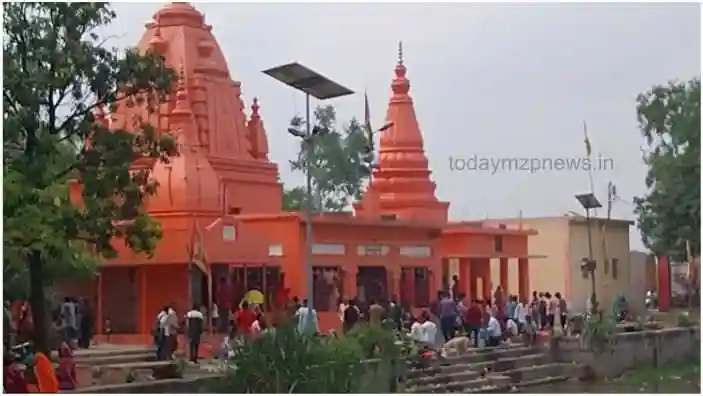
column 37, row 302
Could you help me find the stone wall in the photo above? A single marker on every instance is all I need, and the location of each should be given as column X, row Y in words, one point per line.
column 628, row 351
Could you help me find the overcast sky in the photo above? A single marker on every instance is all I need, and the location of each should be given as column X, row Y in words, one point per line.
column 487, row 81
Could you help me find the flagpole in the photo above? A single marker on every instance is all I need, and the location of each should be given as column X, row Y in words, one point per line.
column 587, row 141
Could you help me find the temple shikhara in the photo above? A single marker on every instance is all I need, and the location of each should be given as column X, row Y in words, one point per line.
column 224, row 231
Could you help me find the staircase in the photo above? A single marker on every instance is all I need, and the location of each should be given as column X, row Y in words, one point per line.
column 497, row 370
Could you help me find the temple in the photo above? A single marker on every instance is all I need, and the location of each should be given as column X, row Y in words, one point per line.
column 224, row 231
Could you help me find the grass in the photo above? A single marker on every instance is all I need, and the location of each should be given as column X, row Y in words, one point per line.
column 685, row 376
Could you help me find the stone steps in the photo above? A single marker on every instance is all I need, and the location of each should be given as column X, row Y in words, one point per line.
column 505, row 368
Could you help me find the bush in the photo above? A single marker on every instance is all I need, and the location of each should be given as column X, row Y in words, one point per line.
column 286, row 361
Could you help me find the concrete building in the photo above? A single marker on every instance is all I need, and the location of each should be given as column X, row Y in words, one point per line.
column 560, row 244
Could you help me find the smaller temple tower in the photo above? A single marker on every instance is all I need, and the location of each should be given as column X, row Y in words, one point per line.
column 401, row 186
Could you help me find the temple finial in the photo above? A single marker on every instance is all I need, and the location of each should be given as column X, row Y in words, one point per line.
column 400, row 52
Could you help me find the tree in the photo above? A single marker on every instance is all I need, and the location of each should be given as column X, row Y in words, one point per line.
column 669, row 214
column 342, row 163
column 293, row 199
column 58, row 79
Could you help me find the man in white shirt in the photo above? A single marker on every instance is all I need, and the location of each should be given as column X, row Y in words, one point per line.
column 306, row 318
column 424, row 330
column 494, row 330
column 521, row 313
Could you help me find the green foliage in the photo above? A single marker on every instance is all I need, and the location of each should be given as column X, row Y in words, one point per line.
column 57, row 74
column 341, row 162
column 294, row 199
column 599, row 333
column 669, row 215
column 287, row 361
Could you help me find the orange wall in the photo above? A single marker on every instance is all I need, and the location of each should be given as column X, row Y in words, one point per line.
column 460, row 244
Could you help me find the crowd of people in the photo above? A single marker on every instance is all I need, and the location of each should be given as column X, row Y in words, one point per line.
column 71, row 327
column 487, row 322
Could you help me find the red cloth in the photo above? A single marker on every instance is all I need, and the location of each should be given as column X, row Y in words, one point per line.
column 282, row 296
column 474, row 315
column 66, row 372
column 244, row 318
column 13, row 380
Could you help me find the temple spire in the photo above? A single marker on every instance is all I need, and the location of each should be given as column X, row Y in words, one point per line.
column 402, row 185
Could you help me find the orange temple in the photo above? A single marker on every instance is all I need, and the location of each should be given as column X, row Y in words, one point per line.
column 219, row 204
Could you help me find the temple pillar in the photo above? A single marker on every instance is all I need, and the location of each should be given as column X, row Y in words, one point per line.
column 485, row 265
column 504, row 275
column 523, row 274
column 465, row 277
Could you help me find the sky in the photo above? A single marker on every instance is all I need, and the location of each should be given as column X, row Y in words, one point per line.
column 489, row 82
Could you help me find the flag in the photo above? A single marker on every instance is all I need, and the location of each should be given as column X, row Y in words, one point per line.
column 586, row 141
column 197, row 252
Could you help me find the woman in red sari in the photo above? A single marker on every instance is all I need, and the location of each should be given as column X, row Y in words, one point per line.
column 13, row 377
column 66, row 372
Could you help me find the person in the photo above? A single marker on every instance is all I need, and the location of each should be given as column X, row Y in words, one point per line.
column 257, row 326
column 24, row 324
column 493, row 328
column 13, row 377
column 215, row 317
column 168, row 323
column 534, row 308
column 342, row 306
column 45, row 375
column 224, row 303
column 244, row 318
column 351, row 316
column 473, row 320
column 86, row 324
column 448, row 313
column 395, row 312
column 376, row 313
column 522, row 312
column 160, row 334
column 195, row 324
column 529, row 331
column 69, row 315
column 511, row 328
column 424, row 330
column 551, row 309
column 563, row 312
column 455, row 288
column 227, row 345
column 306, row 318
column 510, row 307
column 66, row 371
column 462, row 308
column 542, row 308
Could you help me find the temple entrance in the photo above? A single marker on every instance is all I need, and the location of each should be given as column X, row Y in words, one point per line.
column 259, row 284
column 372, row 284
column 327, row 288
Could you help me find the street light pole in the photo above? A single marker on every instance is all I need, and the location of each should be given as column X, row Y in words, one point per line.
column 589, row 201
column 320, row 87
column 309, row 145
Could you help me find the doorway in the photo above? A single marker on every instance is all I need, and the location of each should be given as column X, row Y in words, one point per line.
column 372, row 284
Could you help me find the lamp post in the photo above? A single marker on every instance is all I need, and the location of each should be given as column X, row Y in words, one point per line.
column 589, row 201
column 320, row 87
